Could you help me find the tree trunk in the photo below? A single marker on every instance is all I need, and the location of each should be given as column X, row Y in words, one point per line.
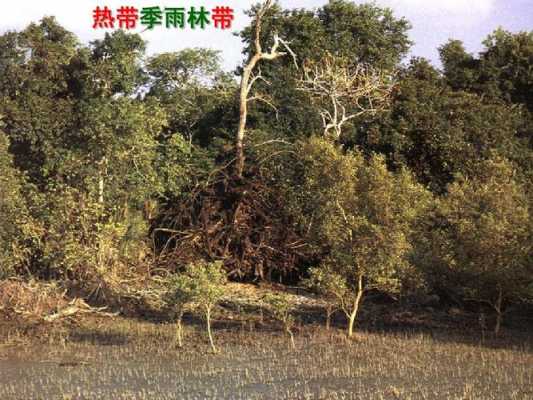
column 102, row 172
column 243, row 113
column 499, row 314
column 100, row 188
column 291, row 335
column 179, row 335
column 247, row 81
column 208, row 318
column 356, row 304
column 329, row 312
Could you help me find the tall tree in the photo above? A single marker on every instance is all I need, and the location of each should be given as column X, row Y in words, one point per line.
column 479, row 240
column 361, row 34
column 36, row 101
column 197, row 95
column 248, row 77
column 362, row 216
column 502, row 70
column 438, row 132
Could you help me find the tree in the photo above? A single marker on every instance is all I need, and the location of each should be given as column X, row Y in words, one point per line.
column 438, row 132
column 505, row 66
column 114, row 67
column 248, row 78
column 35, row 99
column 15, row 228
column 180, row 297
column 361, row 215
column 82, row 139
column 331, row 287
column 361, row 33
column 501, row 71
column 480, row 238
column 194, row 91
column 201, row 286
column 343, row 91
column 282, row 310
column 461, row 69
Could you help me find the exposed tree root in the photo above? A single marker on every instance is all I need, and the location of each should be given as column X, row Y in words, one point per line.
column 240, row 221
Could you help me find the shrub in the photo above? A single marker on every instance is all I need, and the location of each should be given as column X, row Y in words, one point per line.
column 200, row 286
column 281, row 307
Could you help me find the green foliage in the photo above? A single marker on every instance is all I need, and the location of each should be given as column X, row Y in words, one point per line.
column 478, row 242
column 15, row 223
column 115, row 64
column 37, row 117
column 460, row 68
column 327, row 283
column 438, row 132
column 119, row 145
column 362, row 215
column 101, row 144
column 206, row 283
column 282, row 308
column 332, row 287
column 201, row 286
column 361, row 33
column 79, row 240
column 503, row 69
column 193, row 90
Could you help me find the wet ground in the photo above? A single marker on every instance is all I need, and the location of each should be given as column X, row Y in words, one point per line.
column 138, row 360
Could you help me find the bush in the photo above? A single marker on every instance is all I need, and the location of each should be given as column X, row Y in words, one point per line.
column 362, row 217
column 16, row 227
column 281, row 307
column 200, row 286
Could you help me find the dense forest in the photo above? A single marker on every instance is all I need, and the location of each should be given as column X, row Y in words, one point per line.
column 327, row 160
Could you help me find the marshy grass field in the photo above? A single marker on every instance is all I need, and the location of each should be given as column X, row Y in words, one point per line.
column 122, row 358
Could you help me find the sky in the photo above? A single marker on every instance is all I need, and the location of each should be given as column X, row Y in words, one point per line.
column 433, row 21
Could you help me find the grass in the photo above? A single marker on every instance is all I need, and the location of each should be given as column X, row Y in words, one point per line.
column 131, row 359
column 397, row 354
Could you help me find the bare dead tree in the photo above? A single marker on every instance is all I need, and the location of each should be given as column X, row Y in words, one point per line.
column 343, row 91
column 249, row 78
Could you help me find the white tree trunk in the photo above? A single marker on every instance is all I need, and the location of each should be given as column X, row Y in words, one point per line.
column 355, row 308
column 209, row 333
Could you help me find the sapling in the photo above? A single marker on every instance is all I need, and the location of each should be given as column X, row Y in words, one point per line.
column 281, row 307
column 180, row 297
column 199, row 286
column 330, row 287
column 207, row 281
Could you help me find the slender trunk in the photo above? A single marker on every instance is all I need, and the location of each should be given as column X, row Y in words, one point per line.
column 247, row 81
column 208, row 318
column 179, row 331
column 102, row 171
column 100, row 188
column 499, row 314
column 291, row 335
column 329, row 312
column 356, row 304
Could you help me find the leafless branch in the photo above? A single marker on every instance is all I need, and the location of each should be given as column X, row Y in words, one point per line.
column 344, row 91
column 249, row 79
